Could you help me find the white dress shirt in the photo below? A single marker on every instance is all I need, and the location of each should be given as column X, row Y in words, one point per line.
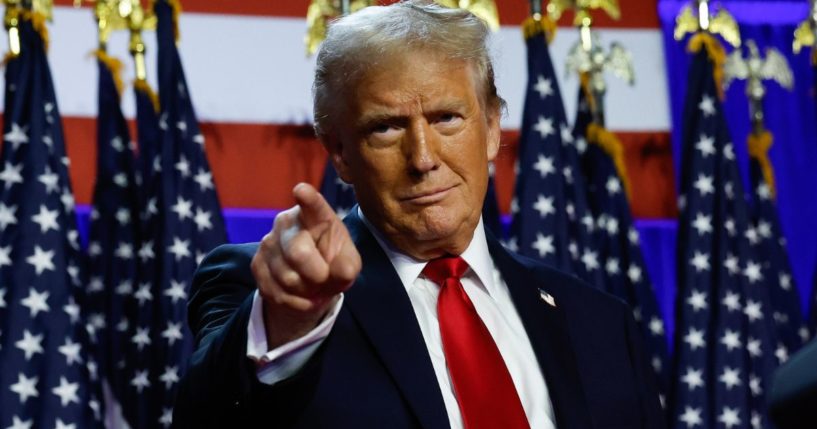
column 491, row 298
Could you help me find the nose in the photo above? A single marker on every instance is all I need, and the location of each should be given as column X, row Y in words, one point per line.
column 422, row 148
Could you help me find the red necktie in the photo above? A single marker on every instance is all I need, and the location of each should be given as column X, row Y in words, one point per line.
column 485, row 392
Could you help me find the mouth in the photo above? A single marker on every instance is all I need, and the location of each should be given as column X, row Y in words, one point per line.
column 429, row 197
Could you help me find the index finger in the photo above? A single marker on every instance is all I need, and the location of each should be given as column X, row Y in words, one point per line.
column 314, row 208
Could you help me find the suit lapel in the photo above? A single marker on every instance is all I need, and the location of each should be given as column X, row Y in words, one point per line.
column 382, row 308
column 547, row 330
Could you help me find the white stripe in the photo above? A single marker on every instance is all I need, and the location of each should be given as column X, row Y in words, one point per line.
column 254, row 70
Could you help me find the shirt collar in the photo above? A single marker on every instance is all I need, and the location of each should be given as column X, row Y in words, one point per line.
column 409, row 269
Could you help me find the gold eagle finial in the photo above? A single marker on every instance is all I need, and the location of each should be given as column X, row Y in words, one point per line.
column 721, row 23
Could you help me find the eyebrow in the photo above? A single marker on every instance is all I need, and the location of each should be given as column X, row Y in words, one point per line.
column 384, row 115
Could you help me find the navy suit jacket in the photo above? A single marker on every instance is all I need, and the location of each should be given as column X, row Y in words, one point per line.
column 373, row 370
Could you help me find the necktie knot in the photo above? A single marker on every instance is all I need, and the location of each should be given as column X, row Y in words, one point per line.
column 441, row 269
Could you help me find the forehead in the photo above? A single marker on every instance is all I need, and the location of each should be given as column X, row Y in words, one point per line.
column 414, row 77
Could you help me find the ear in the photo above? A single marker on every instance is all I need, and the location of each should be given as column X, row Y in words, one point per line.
column 334, row 147
column 494, row 133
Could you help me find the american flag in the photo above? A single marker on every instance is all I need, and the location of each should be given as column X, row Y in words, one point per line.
column 767, row 240
column 113, row 238
column 48, row 377
column 617, row 241
column 551, row 219
column 725, row 348
column 182, row 222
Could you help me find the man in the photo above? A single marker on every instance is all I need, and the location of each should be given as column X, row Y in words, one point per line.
column 407, row 314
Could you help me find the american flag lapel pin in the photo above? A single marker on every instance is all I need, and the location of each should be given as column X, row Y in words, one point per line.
column 547, row 298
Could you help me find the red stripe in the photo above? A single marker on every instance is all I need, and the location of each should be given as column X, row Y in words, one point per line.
column 634, row 13
column 257, row 165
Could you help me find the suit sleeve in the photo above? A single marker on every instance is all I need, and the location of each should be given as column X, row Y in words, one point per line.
column 220, row 387
column 652, row 413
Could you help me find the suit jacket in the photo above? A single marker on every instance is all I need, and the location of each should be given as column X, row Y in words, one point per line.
column 793, row 396
column 373, row 370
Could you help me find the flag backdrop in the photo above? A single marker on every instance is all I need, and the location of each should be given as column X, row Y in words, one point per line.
column 114, row 236
column 48, row 377
column 616, row 239
column 725, row 348
column 551, row 220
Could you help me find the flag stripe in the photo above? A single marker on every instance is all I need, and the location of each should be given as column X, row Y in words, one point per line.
column 635, row 13
column 273, row 81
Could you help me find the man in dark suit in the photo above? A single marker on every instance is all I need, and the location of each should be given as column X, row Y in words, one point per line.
column 407, row 314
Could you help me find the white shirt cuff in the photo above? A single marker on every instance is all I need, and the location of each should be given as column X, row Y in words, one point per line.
column 287, row 359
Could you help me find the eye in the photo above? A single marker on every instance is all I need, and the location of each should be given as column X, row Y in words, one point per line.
column 447, row 117
column 381, row 129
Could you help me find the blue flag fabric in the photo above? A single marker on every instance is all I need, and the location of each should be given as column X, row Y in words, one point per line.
column 725, row 348
column 766, row 237
column 48, row 377
column 182, row 221
column 551, row 219
column 617, row 241
column 113, row 239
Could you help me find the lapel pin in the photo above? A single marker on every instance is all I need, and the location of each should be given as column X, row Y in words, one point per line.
column 547, row 298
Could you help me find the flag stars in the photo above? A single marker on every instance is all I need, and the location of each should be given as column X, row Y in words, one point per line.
column 61, row 425
column 754, row 385
column 544, row 165
column 697, row 300
column 693, row 378
column 544, row 245
column 544, row 127
column 202, row 220
column 613, row 185
column 763, row 192
column 180, row 248
column 783, row 279
column 590, row 260
column 764, row 229
column 691, row 416
column 634, row 273
column 781, row 353
column 170, row 376
column 731, row 264
column 731, row 301
column 72, row 310
column 612, row 266
column 16, row 136
column 36, row 302
column 183, row 166
column 11, row 174
column 752, row 272
column 707, row 105
column 731, row 339
column 141, row 338
column 42, row 260
column 172, row 333
column 30, row 344
column 25, row 388
column 7, row 216
column 123, row 216
column 176, row 291
column 729, row 224
column 140, row 381
column 124, row 251
column 204, row 180
column 544, row 205
column 695, row 339
column 729, row 151
column 543, row 86
column 729, row 417
column 143, row 294
column 753, row 310
column 706, row 145
column 47, row 219
column 700, row 261
column 183, row 208
column 67, row 392
column 704, row 184
column 67, row 200
column 20, row 424
column 656, row 326
column 752, row 235
column 5, row 255
column 753, row 347
column 71, row 351
column 702, row 224
column 50, row 180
